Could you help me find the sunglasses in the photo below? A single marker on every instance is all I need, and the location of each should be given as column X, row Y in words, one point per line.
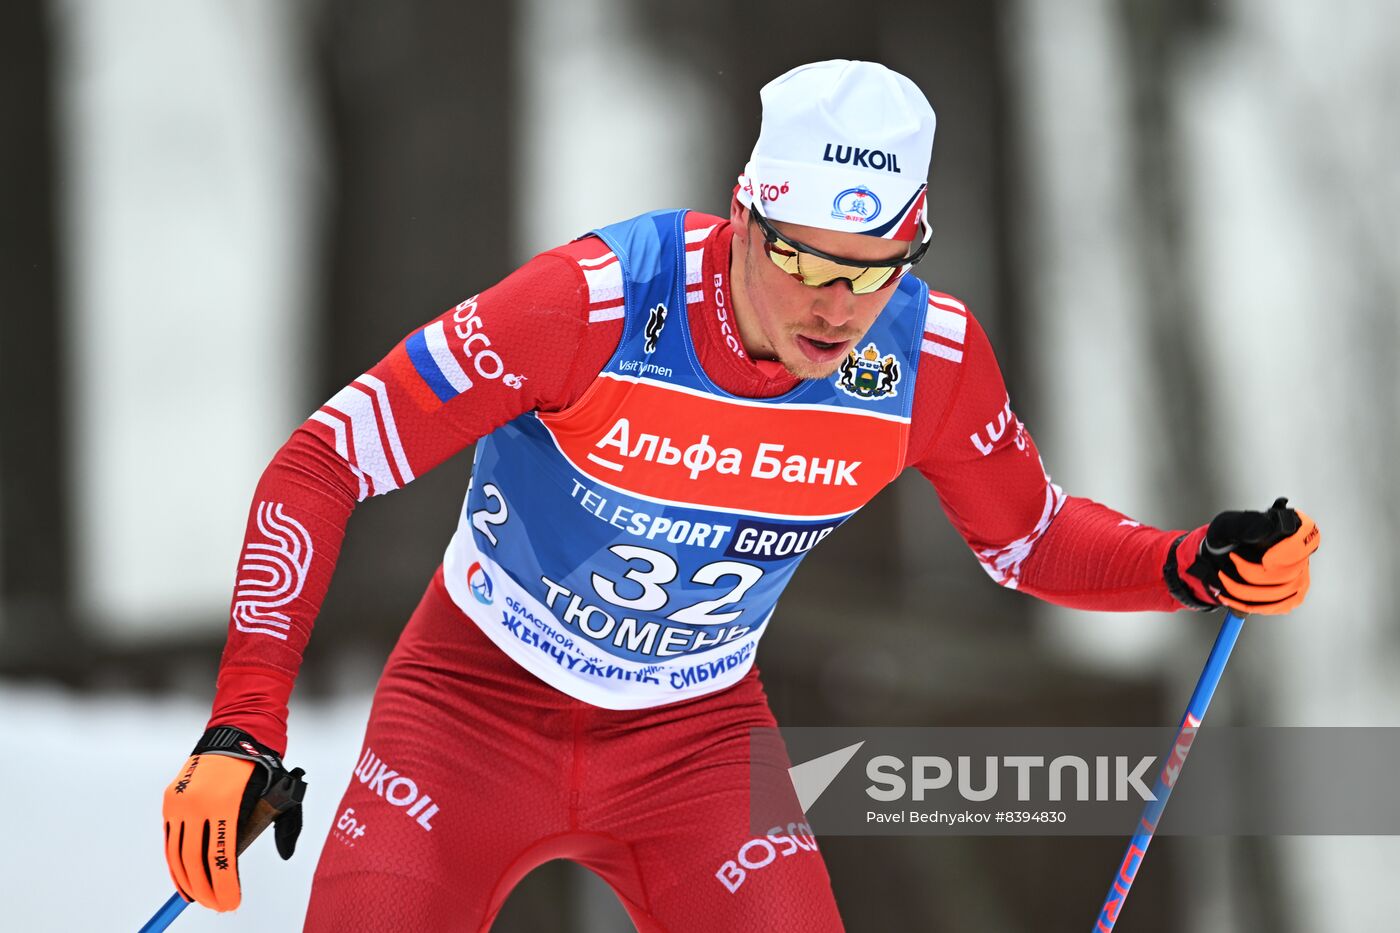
column 817, row 269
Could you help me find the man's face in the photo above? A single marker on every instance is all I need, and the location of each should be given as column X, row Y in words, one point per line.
column 809, row 330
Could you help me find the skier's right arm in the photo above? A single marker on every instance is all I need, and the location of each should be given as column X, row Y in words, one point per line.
column 513, row 348
column 526, row 343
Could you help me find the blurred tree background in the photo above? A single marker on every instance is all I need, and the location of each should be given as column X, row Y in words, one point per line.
column 1176, row 221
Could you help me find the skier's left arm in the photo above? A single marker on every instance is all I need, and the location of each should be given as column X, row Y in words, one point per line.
column 1030, row 536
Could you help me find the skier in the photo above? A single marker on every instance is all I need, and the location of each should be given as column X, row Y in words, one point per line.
column 669, row 414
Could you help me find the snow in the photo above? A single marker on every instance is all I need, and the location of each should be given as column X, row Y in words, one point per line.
column 83, row 835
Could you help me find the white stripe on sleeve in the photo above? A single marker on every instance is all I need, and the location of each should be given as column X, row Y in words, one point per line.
column 947, row 324
column 606, row 314
column 604, row 284
column 338, row 429
column 391, row 430
column 601, row 261
column 354, row 403
column 938, row 349
column 435, row 335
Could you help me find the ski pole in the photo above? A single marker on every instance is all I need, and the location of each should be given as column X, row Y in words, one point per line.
column 282, row 796
column 1170, row 773
column 166, row 915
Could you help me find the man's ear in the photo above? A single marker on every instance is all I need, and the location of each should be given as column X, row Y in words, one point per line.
column 738, row 217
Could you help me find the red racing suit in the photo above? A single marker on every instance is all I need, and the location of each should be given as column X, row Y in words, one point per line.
column 472, row 770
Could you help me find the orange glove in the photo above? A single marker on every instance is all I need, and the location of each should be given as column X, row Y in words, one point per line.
column 209, row 811
column 1254, row 562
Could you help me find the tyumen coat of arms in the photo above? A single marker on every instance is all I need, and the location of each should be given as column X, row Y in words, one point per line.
column 867, row 375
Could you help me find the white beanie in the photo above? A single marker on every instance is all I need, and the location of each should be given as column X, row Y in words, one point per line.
column 843, row 145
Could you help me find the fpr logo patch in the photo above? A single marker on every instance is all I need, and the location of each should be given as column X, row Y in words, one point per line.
column 856, row 204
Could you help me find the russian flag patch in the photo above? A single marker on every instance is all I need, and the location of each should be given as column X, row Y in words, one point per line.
column 433, row 361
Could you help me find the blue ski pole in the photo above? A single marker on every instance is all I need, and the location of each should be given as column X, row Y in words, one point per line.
column 166, row 915
column 1171, row 771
